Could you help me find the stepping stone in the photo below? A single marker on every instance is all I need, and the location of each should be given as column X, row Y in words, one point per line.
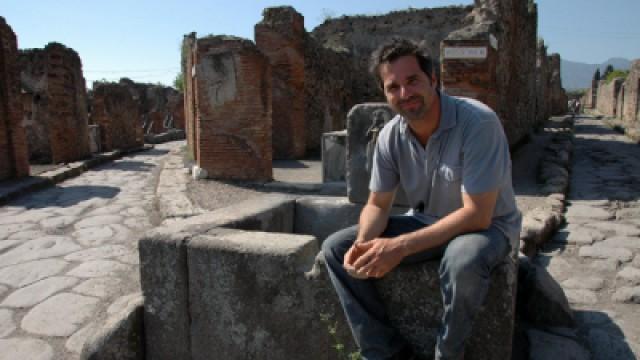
column 602, row 252
column 578, row 237
column 93, row 221
column 630, row 275
column 22, row 348
column 102, row 252
column 24, row 274
column 44, row 247
column 585, row 283
column 7, row 325
column 621, row 242
column 94, row 235
column 79, row 338
column 590, row 212
column 99, row 268
column 620, row 229
column 98, row 287
column 581, row 296
column 627, row 294
column 605, row 265
column 37, row 292
column 61, row 315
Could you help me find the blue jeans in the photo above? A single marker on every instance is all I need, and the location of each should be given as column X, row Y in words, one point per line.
column 467, row 261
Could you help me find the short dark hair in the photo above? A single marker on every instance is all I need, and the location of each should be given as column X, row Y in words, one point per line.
column 394, row 49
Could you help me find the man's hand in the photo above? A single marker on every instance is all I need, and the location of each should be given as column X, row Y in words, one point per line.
column 374, row 258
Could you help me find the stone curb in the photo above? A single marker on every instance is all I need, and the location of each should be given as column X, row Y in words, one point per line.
column 19, row 187
column 170, row 197
column 554, row 172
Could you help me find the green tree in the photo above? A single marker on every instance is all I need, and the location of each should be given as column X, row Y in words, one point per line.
column 608, row 70
column 178, row 82
column 617, row 74
column 596, row 75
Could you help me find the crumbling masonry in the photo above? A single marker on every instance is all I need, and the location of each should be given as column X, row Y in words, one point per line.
column 14, row 160
column 228, row 107
column 56, row 106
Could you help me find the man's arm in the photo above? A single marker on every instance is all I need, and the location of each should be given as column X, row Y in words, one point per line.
column 381, row 256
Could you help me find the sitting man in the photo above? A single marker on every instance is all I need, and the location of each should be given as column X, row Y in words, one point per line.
column 452, row 159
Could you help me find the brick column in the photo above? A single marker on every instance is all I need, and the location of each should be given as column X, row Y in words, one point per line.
column 469, row 69
column 280, row 36
column 232, row 89
column 14, row 155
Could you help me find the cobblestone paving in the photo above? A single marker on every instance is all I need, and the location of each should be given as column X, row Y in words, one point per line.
column 68, row 253
column 596, row 257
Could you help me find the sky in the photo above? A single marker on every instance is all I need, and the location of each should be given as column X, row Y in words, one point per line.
column 140, row 39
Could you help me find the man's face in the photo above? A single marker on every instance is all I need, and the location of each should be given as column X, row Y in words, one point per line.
column 409, row 91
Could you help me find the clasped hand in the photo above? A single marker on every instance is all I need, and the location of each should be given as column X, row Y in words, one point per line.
column 373, row 258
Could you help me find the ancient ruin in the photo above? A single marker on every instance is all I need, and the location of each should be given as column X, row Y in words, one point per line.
column 14, row 160
column 630, row 113
column 115, row 109
column 228, row 111
column 56, row 117
column 559, row 99
column 280, row 36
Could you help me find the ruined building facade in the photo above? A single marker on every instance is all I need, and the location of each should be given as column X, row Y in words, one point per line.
column 228, row 107
column 55, row 104
column 14, row 156
column 160, row 108
column 280, row 36
column 115, row 109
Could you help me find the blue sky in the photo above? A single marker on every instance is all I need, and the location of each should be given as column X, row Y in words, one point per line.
column 140, row 39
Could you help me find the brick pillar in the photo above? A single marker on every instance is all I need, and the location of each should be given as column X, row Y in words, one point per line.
column 116, row 111
column 280, row 36
column 232, row 88
column 14, row 155
column 469, row 69
column 188, row 66
column 59, row 109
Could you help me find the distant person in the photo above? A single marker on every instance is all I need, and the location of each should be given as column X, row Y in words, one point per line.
column 451, row 157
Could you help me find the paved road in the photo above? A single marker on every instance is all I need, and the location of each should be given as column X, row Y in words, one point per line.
column 68, row 256
column 596, row 257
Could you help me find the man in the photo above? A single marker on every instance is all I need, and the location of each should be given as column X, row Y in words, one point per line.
column 452, row 159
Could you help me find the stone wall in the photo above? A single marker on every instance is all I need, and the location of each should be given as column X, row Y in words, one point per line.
column 543, row 78
column 589, row 99
column 228, row 101
column 116, row 110
column 280, row 36
column 57, row 113
column 559, row 99
column 14, row 156
column 607, row 98
column 630, row 113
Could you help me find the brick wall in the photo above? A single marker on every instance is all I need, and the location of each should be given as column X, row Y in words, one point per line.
column 631, row 105
column 58, row 112
column 607, row 99
column 559, row 98
column 542, row 84
column 116, row 110
column 14, row 160
column 230, row 91
column 188, row 69
column 160, row 108
column 280, row 36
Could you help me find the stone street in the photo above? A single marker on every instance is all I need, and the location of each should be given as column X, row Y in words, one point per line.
column 596, row 256
column 68, row 256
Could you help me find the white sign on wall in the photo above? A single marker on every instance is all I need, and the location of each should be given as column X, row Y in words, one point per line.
column 475, row 52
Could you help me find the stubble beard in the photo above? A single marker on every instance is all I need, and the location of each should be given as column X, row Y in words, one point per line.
column 413, row 115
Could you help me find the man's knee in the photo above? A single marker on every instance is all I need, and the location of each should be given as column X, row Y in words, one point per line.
column 337, row 244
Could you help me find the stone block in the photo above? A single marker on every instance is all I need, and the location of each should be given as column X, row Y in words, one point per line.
column 322, row 217
column 364, row 122
column 411, row 294
column 164, row 281
column 94, row 138
column 334, row 156
column 120, row 337
column 249, row 298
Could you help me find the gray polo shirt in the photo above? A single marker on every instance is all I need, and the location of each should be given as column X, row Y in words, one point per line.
column 468, row 153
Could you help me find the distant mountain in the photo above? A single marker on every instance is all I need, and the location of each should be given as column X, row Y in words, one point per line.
column 577, row 75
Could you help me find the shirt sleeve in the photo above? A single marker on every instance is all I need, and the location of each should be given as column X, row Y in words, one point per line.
column 384, row 170
column 487, row 162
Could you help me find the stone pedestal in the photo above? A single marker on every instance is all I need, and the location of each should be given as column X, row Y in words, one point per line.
column 334, row 156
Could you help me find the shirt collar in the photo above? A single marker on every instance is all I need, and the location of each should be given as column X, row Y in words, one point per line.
column 447, row 117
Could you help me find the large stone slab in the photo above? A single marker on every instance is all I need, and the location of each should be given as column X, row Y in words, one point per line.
column 35, row 293
column 364, row 123
column 412, row 297
column 45, row 247
column 60, row 315
column 27, row 273
column 588, row 212
column 7, row 324
column 248, row 297
column 334, row 156
column 602, row 252
column 25, row 348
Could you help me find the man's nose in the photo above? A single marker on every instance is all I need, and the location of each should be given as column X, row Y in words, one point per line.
column 405, row 93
